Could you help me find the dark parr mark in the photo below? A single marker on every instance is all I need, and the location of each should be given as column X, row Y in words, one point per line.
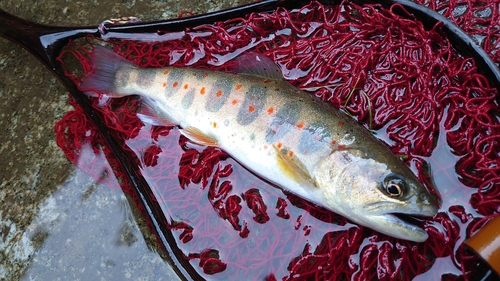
column 313, row 137
column 285, row 119
column 145, row 77
column 252, row 105
column 218, row 95
column 122, row 77
column 174, row 79
column 188, row 99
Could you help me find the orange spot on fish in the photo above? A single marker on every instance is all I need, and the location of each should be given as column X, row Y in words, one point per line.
column 164, row 84
column 215, row 124
column 234, row 102
column 270, row 110
column 290, row 153
column 238, row 86
column 219, row 94
column 341, row 123
column 205, row 75
column 333, row 142
column 251, row 108
column 202, row 90
column 341, row 146
column 165, row 72
column 265, row 146
column 279, row 145
column 300, row 125
column 185, row 86
column 267, row 81
column 194, row 74
column 175, row 84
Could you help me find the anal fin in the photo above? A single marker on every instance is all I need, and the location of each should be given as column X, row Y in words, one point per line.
column 197, row 136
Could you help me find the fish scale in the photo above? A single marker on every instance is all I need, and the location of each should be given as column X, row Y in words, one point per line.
column 282, row 134
column 239, row 107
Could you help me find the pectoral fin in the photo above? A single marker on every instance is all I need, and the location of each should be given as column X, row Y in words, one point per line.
column 198, row 137
column 292, row 167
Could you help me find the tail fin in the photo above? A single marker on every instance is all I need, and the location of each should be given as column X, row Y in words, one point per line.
column 105, row 64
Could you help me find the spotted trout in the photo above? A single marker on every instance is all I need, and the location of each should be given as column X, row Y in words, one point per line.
column 286, row 136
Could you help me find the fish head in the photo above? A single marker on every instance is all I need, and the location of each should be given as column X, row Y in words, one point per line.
column 375, row 194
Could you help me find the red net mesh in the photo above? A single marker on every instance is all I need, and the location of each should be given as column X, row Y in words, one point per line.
column 415, row 92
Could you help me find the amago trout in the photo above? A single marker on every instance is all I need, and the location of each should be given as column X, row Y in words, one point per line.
column 284, row 135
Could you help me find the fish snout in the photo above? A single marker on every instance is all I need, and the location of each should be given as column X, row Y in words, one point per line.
column 429, row 203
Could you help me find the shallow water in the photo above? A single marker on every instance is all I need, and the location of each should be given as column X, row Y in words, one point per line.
column 87, row 231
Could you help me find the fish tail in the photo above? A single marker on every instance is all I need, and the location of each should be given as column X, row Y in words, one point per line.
column 106, row 65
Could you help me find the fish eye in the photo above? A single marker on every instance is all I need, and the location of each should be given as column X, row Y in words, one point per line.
column 394, row 185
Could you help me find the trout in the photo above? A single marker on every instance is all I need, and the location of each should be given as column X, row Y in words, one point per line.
column 286, row 136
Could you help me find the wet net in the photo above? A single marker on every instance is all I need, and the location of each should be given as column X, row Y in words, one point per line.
column 411, row 88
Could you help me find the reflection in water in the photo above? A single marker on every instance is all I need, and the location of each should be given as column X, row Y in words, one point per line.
column 127, row 233
column 87, row 231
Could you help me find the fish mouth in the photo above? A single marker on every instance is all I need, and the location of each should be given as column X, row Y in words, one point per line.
column 404, row 223
column 404, row 226
column 415, row 220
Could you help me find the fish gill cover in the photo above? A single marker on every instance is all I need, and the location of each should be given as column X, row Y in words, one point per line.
column 428, row 103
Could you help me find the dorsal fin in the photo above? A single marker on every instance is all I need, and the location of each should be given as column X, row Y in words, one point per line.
column 259, row 65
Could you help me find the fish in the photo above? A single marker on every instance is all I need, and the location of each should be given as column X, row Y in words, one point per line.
column 279, row 132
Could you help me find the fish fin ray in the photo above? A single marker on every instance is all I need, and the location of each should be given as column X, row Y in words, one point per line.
column 292, row 167
column 197, row 136
column 105, row 64
column 259, row 65
column 329, row 86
